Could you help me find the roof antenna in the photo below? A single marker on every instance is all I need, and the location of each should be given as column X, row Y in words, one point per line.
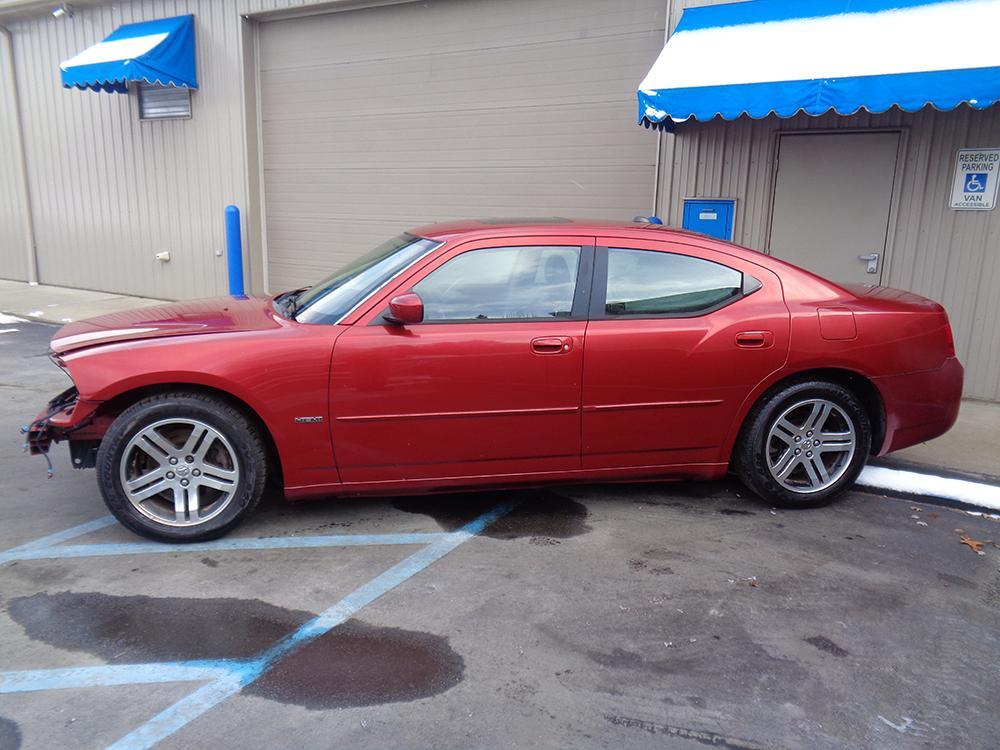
column 655, row 220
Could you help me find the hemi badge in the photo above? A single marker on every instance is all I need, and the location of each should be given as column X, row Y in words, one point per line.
column 308, row 419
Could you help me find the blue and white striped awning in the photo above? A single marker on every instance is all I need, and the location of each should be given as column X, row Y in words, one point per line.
column 160, row 52
column 814, row 56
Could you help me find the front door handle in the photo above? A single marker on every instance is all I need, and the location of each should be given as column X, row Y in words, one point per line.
column 552, row 345
column 754, row 339
column 872, row 260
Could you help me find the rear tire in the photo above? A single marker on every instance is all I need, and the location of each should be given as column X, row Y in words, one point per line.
column 181, row 467
column 804, row 444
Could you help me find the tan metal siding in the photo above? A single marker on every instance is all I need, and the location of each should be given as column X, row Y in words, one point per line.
column 110, row 192
column 949, row 256
column 13, row 223
column 379, row 119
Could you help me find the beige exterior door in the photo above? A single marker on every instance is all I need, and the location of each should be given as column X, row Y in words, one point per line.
column 379, row 119
column 831, row 203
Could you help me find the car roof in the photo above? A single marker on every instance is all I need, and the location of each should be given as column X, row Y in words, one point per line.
column 490, row 228
column 809, row 284
column 538, row 225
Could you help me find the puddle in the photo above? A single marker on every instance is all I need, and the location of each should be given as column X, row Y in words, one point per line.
column 125, row 629
column 357, row 664
column 10, row 734
column 541, row 513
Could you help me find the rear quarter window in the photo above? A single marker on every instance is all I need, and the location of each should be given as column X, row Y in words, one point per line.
column 652, row 283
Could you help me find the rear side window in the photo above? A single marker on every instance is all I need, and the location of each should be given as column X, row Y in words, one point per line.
column 649, row 282
column 502, row 283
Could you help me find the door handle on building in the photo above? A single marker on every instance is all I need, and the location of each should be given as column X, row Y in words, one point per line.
column 872, row 260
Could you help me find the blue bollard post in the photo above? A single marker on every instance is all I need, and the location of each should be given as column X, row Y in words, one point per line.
column 234, row 251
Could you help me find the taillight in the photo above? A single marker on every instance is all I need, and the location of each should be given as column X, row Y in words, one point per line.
column 949, row 342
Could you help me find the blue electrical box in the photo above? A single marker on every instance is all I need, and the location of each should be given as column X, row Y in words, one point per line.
column 709, row 216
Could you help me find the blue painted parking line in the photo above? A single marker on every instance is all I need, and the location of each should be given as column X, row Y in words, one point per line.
column 229, row 676
column 59, row 536
column 257, row 543
column 34, row 680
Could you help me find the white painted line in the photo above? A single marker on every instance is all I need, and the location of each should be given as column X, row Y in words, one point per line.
column 931, row 485
column 7, row 319
column 9, row 330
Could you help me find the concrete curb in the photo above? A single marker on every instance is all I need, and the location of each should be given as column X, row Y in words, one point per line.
column 932, row 488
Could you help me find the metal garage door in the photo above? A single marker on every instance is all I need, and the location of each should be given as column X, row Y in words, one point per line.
column 378, row 119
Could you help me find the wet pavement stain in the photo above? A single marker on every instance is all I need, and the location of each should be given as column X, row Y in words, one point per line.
column 357, row 664
column 125, row 629
column 825, row 644
column 956, row 580
column 541, row 513
column 10, row 734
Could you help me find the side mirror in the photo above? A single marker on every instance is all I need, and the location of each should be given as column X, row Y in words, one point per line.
column 405, row 309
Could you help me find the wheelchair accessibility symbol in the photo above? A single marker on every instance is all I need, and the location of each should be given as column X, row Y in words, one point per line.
column 975, row 182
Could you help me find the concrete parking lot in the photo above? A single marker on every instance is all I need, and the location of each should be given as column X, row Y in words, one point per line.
column 645, row 615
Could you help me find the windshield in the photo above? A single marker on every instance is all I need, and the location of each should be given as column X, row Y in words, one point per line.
column 336, row 295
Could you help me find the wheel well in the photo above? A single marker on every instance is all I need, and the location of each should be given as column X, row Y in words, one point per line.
column 856, row 383
column 115, row 406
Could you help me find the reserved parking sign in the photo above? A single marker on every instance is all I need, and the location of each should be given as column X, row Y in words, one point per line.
column 976, row 175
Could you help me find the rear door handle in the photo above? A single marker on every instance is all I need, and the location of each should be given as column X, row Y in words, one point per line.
column 754, row 339
column 552, row 345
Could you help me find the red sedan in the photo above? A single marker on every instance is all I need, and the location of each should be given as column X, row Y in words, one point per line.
column 497, row 354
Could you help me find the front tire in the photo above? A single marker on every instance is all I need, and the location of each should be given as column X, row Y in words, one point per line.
column 804, row 444
column 181, row 467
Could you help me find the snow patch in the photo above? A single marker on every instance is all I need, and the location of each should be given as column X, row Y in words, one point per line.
column 6, row 319
column 915, row 483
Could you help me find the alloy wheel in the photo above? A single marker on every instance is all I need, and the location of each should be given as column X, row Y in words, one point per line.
column 810, row 446
column 179, row 472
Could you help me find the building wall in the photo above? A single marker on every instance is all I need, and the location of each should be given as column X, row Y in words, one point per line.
column 13, row 215
column 950, row 256
column 105, row 185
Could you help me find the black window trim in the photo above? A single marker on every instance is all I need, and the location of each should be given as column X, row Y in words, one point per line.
column 599, row 287
column 581, row 296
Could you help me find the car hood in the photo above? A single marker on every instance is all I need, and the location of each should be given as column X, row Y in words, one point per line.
column 204, row 316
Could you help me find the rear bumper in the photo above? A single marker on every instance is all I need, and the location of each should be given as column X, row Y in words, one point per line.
column 920, row 406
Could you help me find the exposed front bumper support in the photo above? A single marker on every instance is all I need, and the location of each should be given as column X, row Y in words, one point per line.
column 64, row 416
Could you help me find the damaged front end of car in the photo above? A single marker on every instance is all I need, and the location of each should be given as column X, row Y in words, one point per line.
column 66, row 417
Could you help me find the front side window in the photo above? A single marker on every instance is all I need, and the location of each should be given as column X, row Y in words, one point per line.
column 338, row 294
column 502, row 283
column 649, row 282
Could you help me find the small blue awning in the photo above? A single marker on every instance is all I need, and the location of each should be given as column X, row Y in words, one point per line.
column 786, row 56
column 159, row 52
